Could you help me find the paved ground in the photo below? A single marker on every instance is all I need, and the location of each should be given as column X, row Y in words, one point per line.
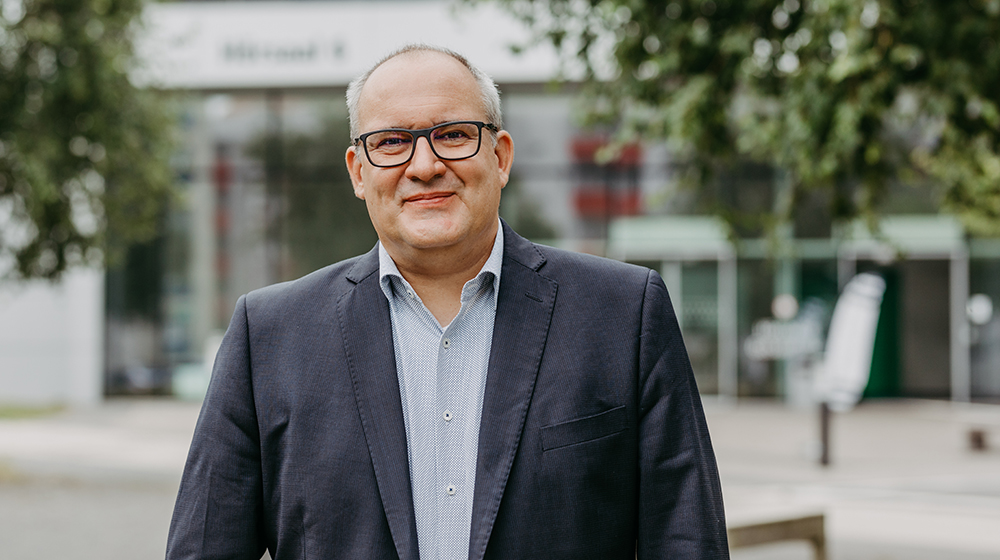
column 100, row 483
column 903, row 483
column 92, row 484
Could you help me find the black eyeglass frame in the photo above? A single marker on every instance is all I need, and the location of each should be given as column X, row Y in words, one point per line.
column 426, row 134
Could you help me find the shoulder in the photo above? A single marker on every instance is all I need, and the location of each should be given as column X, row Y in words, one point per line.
column 571, row 268
column 560, row 264
column 317, row 290
column 578, row 273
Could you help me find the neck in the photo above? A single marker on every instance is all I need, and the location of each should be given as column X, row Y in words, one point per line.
column 439, row 274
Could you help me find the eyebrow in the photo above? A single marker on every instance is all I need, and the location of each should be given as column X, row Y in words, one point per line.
column 436, row 123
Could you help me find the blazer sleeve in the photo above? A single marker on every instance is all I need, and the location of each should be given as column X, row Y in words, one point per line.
column 680, row 497
column 218, row 513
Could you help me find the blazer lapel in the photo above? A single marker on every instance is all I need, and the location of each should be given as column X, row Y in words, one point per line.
column 524, row 311
column 363, row 314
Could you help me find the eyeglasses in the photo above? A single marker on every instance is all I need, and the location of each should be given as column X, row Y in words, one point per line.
column 449, row 141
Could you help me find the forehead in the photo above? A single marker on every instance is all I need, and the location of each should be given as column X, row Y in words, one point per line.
column 419, row 89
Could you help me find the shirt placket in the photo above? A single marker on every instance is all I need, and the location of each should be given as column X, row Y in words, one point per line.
column 450, row 419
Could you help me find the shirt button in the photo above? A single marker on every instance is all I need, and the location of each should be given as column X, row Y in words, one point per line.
column 446, row 343
column 447, row 416
column 450, row 489
column 410, row 293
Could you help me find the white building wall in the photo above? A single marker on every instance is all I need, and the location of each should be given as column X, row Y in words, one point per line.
column 236, row 45
column 52, row 340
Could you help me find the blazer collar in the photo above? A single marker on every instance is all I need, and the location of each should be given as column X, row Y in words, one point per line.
column 521, row 327
column 364, row 266
column 520, row 250
column 363, row 314
column 524, row 311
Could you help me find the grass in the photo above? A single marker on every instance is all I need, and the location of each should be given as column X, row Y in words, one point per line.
column 18, row 412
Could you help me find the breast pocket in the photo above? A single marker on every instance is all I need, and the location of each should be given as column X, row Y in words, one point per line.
column 585, row 429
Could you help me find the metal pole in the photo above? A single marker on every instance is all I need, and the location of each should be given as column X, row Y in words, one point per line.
column 961, row 368
column 203, row 246
column 275, row 176
column 824, row 434
column 728, row 335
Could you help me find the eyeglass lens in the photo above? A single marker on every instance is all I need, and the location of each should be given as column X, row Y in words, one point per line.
column 449, row 141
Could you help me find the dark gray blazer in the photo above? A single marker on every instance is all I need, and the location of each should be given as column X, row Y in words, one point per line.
column 593, row 441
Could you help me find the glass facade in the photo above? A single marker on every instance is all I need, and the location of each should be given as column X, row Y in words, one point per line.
column 263, row 196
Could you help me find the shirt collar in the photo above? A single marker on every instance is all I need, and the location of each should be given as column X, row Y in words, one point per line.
column 387, row 269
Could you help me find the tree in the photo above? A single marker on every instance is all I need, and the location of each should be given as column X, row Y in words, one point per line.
column 843, row 96
column 84, row 153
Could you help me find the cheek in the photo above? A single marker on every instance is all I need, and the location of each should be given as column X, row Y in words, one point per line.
column 379, row 185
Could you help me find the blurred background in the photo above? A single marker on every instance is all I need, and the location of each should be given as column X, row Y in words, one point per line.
column 158, row 160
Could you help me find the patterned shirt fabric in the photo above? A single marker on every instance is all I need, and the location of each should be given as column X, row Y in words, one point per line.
column 442, row 378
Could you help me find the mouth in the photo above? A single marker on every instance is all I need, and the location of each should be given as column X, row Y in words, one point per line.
column 428, row 199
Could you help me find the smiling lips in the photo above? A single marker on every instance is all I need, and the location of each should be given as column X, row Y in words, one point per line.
column 428, row 199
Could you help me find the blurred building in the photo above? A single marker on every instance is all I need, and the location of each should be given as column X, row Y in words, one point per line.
column 259, row 88
column 52, row 340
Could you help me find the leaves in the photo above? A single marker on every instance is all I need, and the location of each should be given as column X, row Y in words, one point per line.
column 83, row 153
column 835, row 92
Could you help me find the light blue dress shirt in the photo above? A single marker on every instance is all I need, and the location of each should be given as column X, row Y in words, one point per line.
column 442, row 378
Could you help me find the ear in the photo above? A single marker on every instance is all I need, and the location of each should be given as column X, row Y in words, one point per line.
column 504, row 151
column 354, row 159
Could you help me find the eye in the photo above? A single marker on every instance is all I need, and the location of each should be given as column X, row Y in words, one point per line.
column 452, row 134
column 456, row 133
column 389, row 140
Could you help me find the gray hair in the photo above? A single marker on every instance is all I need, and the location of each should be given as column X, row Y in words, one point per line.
column 488, row 89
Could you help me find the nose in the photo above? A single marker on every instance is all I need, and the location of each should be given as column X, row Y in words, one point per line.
column 424, row 165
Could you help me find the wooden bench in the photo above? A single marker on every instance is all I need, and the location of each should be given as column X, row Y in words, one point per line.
column 806, row 527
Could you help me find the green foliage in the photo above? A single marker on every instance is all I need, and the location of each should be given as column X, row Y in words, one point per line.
column 846, row 96
column 83, row 152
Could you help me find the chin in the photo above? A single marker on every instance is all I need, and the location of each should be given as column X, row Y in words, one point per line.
column 432, row 241
column 434, row 233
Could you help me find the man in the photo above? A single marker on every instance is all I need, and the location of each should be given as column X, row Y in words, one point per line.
column 458, row 392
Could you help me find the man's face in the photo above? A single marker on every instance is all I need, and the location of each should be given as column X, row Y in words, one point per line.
column 428, row 203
